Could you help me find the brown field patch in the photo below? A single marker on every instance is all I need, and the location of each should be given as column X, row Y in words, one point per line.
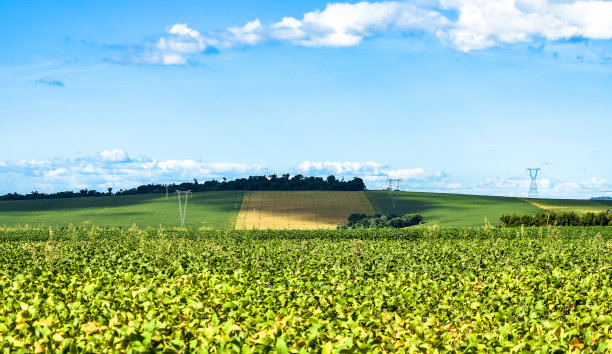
column 578, row 206
column 300, row 209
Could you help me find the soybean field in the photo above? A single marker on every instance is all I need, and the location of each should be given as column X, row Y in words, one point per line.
column 421, row 289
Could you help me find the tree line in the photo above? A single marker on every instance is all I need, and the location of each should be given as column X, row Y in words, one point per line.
column 562, row 219
column 285, row 182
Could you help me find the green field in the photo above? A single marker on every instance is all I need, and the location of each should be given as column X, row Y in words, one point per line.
column 221, row 209
column 206, row 209
column 450, row 209
column 426, row 289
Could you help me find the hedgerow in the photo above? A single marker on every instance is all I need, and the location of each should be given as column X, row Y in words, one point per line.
column 557, row 219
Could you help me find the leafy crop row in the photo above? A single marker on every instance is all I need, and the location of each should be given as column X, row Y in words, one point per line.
column 423, row 289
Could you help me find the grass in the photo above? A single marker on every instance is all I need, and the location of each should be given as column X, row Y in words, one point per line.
column 206, row 209
column 450, row 209
column 300, row 210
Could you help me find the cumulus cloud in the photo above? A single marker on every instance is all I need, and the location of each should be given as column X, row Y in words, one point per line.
column 350, row 168
column 484, row 23
column 57, row 172
column 343, row 24
column 369, row 170
column 415, row 174
column 173, row 48
column 49, row 82
column 478, row 24
column 375, row 175
column 115, row 168
column 111, row 168
column 114, row 155
column 251, row 34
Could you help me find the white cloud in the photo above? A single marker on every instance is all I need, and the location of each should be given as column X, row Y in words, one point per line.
column 288, row 28
column 89, row 168
column 343, row 24
column 181, row 29
column 173, row 59
column 177, row 164
column 375, row 175
column 224, row 167
column 369, row 170
column 351, row 168
column 113, row 168
column 346, row 24
column 173, row 48
column 248, row 34
column 114, row 155
column 479, row 24
column 485, row 23
column 415, row 174
column 56, row 172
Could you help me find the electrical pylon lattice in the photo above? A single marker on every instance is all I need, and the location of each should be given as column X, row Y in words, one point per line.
column 533, row 187
column 392, row 196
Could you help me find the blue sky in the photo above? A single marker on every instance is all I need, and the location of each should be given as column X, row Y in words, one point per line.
column 452, row 96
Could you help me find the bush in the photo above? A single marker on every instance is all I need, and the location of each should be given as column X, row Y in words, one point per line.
column 360, row 221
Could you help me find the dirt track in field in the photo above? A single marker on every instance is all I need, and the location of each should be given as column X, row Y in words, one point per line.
column 300, row 209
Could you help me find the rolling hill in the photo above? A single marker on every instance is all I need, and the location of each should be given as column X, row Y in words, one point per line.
column 277, row 210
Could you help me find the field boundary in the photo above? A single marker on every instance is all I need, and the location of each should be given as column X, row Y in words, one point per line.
column 536, row 205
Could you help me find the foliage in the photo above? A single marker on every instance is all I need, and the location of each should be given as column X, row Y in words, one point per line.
column 361, row 221
column 371, row 290
column 268, row 183
column 561, row 219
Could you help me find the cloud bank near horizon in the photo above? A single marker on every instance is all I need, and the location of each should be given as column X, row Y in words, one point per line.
column 118, row 170
column 465, row 25
column 111, row 168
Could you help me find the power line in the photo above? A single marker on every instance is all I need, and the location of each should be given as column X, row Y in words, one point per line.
column 183, row 210
column 392, row 195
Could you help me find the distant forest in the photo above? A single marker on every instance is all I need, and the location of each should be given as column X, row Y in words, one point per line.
column 253, row 183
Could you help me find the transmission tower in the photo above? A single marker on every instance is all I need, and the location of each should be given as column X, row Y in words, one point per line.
column 392, row 196
column 533, row 187
column 183, row 209
column 165, row 185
